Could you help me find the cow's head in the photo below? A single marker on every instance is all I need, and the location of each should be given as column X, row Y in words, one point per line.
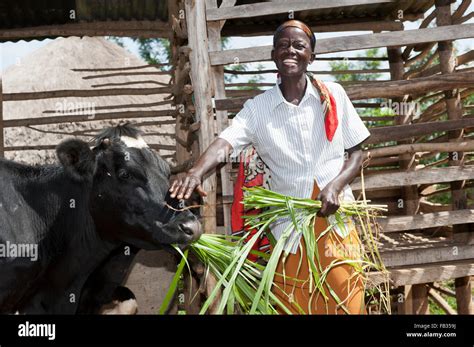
column 130, row 181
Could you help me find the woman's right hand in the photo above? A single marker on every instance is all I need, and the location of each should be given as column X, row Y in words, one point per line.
column 184, row 185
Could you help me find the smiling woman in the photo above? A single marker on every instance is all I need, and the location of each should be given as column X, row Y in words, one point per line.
column 292, row 51
column 303, row 130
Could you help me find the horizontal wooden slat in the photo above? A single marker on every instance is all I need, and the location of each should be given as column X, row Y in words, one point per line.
column 426, row 273
column 441, row 302
column 126, row 73
column 419, row 255
column 269, row 8
column 418, row 86
column 316, row 72
column 349, row 43
column 406, row 131
column 374, row 89
column 91, row 117
column 408, row 178
column 353, row 24
column 81, row 93
column 137, row 67
column 112, row 107
column 427, row 220
column 444, row 147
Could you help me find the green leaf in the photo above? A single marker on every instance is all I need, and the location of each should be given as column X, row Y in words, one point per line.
column 174, row 285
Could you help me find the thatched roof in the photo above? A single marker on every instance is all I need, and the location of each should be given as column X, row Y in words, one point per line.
column 51, row 68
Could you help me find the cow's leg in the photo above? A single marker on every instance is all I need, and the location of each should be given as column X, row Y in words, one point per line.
column 123, row 302
column 101, row 285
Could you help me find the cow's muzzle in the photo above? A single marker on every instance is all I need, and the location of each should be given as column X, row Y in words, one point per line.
column 192, row 228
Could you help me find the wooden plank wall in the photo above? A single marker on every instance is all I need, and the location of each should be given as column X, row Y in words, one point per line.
column 407, row 179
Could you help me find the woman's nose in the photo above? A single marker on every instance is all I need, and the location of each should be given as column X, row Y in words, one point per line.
column 291, row 49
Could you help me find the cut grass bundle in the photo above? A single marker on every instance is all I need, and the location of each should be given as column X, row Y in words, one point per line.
column 248, row 287
column 238, row 278
column 303, row 213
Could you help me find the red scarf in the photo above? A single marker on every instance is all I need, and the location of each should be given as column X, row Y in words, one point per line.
column 252, row 170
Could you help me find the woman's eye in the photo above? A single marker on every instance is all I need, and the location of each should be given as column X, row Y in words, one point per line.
column 123, row 175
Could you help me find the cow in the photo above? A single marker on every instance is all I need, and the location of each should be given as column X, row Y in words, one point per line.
column 63, row 224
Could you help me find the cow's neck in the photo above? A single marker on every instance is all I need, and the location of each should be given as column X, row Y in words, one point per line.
column 59, row 290
column 69, row 245
column 60, row 206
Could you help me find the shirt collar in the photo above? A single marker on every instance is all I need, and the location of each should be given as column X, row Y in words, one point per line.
column 278, row 98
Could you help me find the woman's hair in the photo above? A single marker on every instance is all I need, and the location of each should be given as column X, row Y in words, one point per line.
column 297, row 24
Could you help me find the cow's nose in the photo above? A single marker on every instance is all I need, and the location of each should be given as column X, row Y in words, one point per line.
column 192, row 228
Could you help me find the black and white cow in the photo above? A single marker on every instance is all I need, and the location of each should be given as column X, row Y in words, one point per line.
column 59, row 224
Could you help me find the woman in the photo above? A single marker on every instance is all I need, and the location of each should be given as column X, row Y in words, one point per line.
column 308, row 134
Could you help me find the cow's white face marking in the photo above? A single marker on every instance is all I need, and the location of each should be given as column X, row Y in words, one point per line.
column 138, row 142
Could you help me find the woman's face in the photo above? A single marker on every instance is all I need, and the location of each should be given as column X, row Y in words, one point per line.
column 292, row 52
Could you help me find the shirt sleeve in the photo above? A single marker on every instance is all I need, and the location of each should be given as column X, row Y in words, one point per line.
column 240, row 133
column 353, row 129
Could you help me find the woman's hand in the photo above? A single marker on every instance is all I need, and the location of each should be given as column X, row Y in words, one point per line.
column 329, row 197
column 185, row 184
column 190, row 181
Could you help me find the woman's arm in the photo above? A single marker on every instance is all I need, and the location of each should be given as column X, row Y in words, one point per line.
column 215, row 154
column 329, row 196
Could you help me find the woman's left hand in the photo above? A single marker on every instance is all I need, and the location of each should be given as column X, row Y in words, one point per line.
column 329, row 197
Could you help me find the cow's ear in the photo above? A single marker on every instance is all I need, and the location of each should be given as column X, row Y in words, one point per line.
column 77, row 159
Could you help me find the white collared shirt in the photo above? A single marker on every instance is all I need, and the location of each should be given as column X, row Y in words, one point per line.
column 291, row 140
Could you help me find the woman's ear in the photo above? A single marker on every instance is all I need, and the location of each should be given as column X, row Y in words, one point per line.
column 311, row 58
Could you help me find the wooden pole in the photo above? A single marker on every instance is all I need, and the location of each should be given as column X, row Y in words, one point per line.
column 201, row 75
column 407, row 161
column 420, row 299
column 447, row 59
column 409, row 193
column 214, row 32
column 181, row 77
column 454, row 109
column 439, row 300
column 405, row 300
column 464, row 295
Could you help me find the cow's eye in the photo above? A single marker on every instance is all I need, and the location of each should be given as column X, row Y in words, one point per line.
column 123, row 174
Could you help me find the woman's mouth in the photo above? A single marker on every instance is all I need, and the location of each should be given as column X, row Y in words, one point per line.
column 289, row 62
